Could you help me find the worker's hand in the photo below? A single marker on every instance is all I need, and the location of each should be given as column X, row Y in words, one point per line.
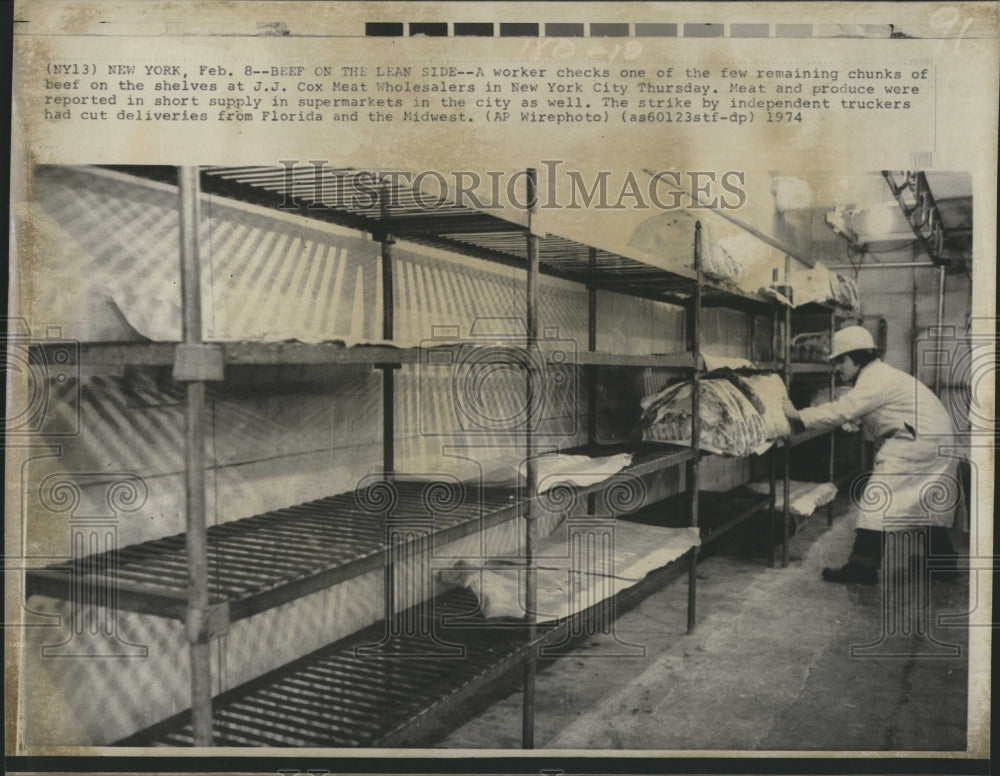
column 790, row 412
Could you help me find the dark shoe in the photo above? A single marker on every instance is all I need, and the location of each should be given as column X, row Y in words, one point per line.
column 851, row 574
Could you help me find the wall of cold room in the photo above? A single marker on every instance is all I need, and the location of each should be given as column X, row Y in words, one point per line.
column 286, row 434
column 907, row 298
column 282, row 435
column 276, row 436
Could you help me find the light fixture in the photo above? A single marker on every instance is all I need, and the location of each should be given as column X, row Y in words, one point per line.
column 837, row 220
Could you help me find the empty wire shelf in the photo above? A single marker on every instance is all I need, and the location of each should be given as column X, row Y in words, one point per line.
column 384, row 688
column 259, row 562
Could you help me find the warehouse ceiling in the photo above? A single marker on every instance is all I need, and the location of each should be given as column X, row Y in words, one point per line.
column 799, row 212
column 830, row 218
column 882, row 213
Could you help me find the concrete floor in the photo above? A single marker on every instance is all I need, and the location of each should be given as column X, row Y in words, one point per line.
column 768, row 668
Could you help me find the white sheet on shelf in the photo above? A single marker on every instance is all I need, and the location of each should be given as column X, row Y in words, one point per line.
column 159, row 320
column 804, row 498
column 718, row 362
column 570, row 581
column 554, row 469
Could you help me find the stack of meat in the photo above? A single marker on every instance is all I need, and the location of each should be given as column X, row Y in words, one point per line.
column 844, row 291
column 811, row 346
column 670, row 238
column 820, row 284
column 740, row 412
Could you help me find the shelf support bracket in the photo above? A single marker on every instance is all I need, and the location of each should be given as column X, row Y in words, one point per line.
column 198, row 362
column 204, row 624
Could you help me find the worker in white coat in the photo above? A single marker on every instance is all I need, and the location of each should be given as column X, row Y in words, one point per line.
column 913, row 485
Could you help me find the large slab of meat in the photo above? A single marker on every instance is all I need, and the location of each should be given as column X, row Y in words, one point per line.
column 740, row 414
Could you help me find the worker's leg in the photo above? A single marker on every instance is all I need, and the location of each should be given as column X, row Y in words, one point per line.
column 866, row 557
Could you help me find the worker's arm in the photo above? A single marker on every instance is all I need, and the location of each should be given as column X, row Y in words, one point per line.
column 862, row 399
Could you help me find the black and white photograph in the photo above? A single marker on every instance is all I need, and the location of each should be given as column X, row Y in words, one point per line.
column 608, row 403
column 561, row 445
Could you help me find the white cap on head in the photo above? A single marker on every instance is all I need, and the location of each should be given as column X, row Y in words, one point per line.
column 851, row 338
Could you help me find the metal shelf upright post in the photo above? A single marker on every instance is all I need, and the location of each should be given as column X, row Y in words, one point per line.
column 590, row 371
column 386, row 241
column 832, row 450
column 786, row 456
column 193, row 363
column 771, row 464
column 531, row 474
column 693, row 466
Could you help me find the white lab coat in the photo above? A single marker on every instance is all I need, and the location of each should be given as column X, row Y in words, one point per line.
column 913, row 483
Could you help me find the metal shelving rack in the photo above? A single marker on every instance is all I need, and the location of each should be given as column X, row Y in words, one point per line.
column 202, row 576
column 832, row 313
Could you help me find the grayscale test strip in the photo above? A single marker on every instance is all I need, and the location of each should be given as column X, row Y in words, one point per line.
column 625, row 30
